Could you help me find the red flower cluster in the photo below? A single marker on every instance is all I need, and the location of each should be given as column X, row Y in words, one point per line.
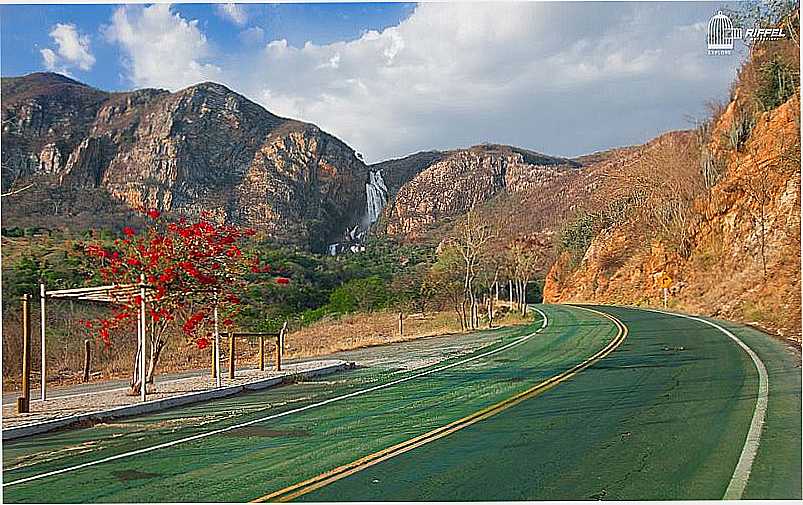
column 192, row 323
column 184, row 264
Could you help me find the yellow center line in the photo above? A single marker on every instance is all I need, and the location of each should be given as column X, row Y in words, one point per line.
column 294, row 491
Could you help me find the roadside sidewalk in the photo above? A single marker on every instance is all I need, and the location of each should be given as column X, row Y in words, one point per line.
column 94, row 406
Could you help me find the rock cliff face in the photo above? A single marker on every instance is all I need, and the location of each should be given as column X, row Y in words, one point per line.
column 741, row 249
column 204, row 148
column 449, row 184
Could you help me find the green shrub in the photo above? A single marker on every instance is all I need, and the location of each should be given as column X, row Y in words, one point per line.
column 13, row 232
column 312, row 315
column 711, row 168
column 364, row 295
column 577, row 237
column 777, row 83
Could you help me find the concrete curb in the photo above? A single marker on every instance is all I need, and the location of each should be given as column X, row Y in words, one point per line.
column 166, row 403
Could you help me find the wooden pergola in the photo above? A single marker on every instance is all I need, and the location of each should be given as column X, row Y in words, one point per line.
column 113, row 293
column 125, row 293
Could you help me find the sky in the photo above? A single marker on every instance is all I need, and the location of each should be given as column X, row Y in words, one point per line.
column 390, row 79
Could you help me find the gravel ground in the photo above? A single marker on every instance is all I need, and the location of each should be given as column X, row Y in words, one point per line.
column 102, row 400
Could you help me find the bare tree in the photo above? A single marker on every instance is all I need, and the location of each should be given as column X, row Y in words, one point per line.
column 760, row 184
column 525, row 255
column 471, row 240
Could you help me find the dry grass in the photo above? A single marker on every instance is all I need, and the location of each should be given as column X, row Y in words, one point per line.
column 355, row 331
column 330, row 335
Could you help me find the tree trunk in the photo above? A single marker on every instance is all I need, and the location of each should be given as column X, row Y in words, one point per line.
column 524, row 297
column 459, row 316
column 510, row 292
column 135, row 379
column 153, row 359
column 490, row 310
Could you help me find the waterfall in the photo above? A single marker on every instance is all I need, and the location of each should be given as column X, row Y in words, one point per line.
column 377, row 196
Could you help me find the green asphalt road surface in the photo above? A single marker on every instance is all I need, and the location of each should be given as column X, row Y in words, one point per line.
column 664, row 416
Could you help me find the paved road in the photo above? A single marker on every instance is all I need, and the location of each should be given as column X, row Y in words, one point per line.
column 661, row 414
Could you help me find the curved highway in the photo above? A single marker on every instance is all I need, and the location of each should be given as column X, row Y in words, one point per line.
column 586, row 403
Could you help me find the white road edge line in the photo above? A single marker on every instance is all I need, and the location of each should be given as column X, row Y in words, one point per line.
column 282, row 414
column 741, row 473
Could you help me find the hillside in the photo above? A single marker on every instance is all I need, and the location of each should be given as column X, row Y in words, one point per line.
column 204, row 148
column 718, row 210
column 444, row 186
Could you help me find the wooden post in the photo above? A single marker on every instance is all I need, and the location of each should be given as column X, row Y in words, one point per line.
column 401, row 324
column 231, row 355
column 214, row 367
column 278, row 353
column 24, row 401
column 262, row 353
column 87, row 358
column 280, row 347
column 217, row 346
column 143, row 387
column 43, row 346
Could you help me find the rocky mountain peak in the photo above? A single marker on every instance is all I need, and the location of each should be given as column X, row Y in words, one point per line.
column 203, row 148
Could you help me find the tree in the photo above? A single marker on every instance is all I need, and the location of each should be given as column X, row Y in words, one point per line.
column 471, row 240
column 189, row 269
column 524, row 260
column 445, row 281
column 768, row 166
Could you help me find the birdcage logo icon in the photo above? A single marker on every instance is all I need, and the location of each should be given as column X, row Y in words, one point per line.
column 721, row 33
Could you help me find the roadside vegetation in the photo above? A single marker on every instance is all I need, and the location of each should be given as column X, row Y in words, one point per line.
column 329, row 302
column 708, row 205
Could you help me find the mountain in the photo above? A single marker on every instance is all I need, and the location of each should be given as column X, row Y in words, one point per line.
column 716, row 210
column 429, row 189
column 732, row 252
column 203, row 148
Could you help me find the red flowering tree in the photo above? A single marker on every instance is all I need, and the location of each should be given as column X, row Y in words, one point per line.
column 189, row 267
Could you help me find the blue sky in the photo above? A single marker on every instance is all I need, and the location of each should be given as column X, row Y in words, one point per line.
column 24, row 31
column 390, row 79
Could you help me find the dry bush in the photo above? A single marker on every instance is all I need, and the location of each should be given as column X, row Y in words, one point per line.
column 612, row 256
column 662, row 185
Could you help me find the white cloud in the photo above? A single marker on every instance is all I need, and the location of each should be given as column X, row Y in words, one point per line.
column 233, row 12
column 252, row 36
column 162, row 49
column 50, row 59
column 72, row 50
column 562, row 78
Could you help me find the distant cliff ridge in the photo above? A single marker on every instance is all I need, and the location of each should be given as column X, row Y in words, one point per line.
column 450, row 184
